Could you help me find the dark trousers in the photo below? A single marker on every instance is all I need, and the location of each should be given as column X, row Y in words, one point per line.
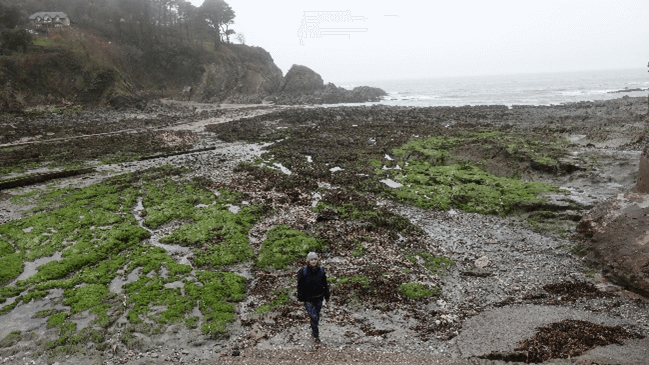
column 313, row 308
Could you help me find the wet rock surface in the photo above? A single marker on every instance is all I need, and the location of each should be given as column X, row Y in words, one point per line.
column 616, row 238
column 510, row 289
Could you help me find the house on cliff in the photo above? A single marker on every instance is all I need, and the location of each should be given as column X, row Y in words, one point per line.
column 45, row 20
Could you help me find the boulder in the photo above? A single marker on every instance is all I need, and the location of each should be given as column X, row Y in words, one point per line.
column 368, row 93
column 617, row 234
column 302, row 80
column 124, row 102
column 642, row 184
column 617, row 240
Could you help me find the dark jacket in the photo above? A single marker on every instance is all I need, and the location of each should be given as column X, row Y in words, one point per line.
column 312, row 284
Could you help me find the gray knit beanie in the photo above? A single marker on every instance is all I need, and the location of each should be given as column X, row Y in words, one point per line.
column 311, row 255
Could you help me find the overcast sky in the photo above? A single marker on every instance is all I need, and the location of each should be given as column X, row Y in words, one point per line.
column 413, row 39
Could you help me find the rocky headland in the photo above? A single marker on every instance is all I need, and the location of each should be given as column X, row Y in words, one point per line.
column 84, row 70
column 449, row 234
column 300, row 86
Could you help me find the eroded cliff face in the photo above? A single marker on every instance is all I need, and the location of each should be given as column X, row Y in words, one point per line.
column 239, row 73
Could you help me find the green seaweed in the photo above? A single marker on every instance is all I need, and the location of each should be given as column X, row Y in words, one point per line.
column 85, row 297
column 435, row 264
column 5, row 248
column 417, row 291
column 284, row 246
column 466, row 187
column 166, row 200
column 220, row 236
column 214, row 298
column 281, row 298
column 147, row 292
column 358, row 250
column 336, row 282
column 436, row 175
column 11, row 339
column 57, row 319
column 11, row 266
column 99, row 239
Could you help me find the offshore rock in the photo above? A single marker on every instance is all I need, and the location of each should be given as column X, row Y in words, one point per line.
column 305, row 86
column 332, row 94
column 302, row 80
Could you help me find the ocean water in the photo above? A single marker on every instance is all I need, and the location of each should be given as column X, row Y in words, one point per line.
column 520, row 89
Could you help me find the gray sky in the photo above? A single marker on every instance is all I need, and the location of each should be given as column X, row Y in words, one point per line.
column 381, row 40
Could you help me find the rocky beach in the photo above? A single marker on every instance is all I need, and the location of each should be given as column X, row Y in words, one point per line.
column 172, row 233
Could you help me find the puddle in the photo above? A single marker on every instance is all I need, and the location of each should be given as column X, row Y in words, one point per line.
column 28, row 229
column 197, row 313
column 116, row 285
column 179, row 253
column 324, row 185
column 233, row 208
column 83, row 319
column 20, row 319
column 282, row 168
column 397, row 167
column 315, row 198
column 576, row 137
column 31, row 267
column 334, row 169
column 174, row 285
column 391, row 183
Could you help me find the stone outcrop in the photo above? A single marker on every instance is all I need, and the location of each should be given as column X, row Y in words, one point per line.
column 244, row 79
column 617, row 235
column 642, row 185
column 304, row 86
column 302, row 80
column 239, row 74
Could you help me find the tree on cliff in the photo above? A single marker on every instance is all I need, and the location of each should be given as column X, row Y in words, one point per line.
column 9, row 16
column 218, row 16
column 14, row 40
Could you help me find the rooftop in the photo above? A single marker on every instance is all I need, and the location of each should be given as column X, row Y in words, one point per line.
column 52, row 14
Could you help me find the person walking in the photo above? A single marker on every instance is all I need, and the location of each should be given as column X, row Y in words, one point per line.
column 313, row 291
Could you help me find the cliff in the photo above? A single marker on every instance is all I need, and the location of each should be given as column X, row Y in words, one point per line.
column 77, row 67
column 243, row 74
column 237, row 73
